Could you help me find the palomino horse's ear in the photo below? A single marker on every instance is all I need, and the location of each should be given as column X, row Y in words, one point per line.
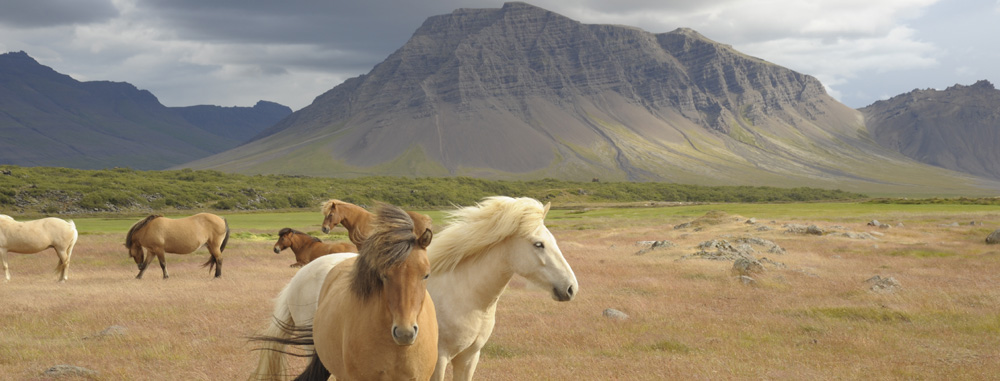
column 425, row 239
column 546, row 209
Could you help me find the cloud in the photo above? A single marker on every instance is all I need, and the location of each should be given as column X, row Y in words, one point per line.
column 49, row 13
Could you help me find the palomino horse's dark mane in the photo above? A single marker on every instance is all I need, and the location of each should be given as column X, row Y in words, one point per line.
column 390, row 243
column 138, row 226
column 284, row 231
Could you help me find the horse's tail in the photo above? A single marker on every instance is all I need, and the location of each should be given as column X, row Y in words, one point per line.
column 315, row 371
column 272, row 364
column 226, row 239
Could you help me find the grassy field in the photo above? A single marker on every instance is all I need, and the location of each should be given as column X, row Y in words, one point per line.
column 809, row 315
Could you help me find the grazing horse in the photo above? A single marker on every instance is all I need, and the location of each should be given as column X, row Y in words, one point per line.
column 375, row 318
column 472, row 260
column 307, row 248
column 356, row 219
column 160, row 235
column 30, row 237
column 296, row 304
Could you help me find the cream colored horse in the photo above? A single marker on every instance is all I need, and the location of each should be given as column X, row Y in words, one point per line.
column 472, row 260
column 30, row 237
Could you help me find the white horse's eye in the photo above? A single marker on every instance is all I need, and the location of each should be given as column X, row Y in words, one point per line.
column 539, row 245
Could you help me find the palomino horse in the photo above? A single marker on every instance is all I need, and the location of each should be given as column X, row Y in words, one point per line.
column 472, row 260
column 160, row 235
column 307, row 247
column 296, row 304
column 356, row 219
column 30, row 237
column 375, row 318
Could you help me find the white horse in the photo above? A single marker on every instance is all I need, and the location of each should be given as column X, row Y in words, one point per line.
column 30, row 237
column 472, row 260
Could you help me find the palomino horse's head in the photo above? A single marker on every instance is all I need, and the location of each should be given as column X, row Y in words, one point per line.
column 393, row 267
column 332, row 215
column 536, row 256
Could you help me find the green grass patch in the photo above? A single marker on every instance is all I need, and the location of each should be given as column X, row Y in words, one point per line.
column 920, row 253
column 670, row 346
column 868, row 314
column 498, row 351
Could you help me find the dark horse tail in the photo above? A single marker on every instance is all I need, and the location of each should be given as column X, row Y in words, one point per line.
column 212, row 261
column 299, row 336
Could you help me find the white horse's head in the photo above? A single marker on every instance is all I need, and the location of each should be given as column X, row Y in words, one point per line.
column 537, row 258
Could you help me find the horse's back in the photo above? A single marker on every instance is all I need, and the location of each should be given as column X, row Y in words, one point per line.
column 301, row 295
column 33, row 236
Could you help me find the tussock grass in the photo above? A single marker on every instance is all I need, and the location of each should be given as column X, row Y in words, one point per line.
column 815, row 318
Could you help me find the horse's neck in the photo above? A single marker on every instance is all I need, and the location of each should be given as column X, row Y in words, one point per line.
column 300, row 242
column 476, row 283
column 356, row 221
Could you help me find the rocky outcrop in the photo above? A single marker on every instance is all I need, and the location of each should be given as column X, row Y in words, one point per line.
column 957, row 128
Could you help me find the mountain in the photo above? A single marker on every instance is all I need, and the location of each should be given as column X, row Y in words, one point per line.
column 520, row 92
column 957, row 128
column 51, row 119
column 237, row 123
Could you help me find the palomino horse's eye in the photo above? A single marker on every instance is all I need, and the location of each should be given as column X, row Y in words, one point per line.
column 539, row 245
column 427, row 276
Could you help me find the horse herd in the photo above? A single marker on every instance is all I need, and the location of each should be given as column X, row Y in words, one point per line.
column 397, row 302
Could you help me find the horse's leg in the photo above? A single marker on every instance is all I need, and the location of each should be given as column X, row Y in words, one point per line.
column 464, row 365
column 217, row 254
column 145, row 265
column 440, row 368
column 63, row 263
column 163, row 264
column 6, row 272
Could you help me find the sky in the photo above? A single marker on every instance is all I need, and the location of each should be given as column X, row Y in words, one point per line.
column 236, row 52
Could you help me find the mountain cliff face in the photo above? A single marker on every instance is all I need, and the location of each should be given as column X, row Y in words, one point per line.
column 521, row 92
column 958, row 128
column 50, row 119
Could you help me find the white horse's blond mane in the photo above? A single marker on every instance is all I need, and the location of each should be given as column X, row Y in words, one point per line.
column 6, row 217
column 474, row 229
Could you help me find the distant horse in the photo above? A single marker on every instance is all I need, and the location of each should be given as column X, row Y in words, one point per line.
column 355, row 219
column 296, row 303
column 160, row 235
column 472, row 260
column 30, row 237
column 307, row 247
column 375, row 318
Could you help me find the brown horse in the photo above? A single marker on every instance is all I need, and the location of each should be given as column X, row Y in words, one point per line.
column 357, row 220
column 30, row 237
column 160, row 235
column 375, row 318
column 307, row 247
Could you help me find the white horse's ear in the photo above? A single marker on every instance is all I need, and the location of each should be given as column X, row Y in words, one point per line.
column 546, row 209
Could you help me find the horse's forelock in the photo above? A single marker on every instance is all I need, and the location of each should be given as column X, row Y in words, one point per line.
column 327, row 206
column 390, row 243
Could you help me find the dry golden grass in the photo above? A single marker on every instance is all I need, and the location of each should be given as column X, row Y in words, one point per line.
column 688, row 319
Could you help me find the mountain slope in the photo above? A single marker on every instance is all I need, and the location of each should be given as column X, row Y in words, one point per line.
column 957, row 128
column 237, row 123
column 521, row 92
column 50, row 119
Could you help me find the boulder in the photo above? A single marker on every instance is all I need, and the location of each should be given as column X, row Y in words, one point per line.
column 993, row 238
column 614, row 314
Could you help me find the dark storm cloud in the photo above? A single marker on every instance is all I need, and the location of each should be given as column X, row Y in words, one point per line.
column 49, row 13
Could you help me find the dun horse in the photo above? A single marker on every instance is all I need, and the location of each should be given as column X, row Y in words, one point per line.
column 375, row 318
column 356, row 219
column 159, row 235
column 30, row 237
column 307, row 248
column 296, row 304
column 472, row 260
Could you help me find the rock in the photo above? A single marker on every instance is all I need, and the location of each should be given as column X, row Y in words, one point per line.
column 751, row 221
column 814, row 230
column 653, row 245
column 853, row 235
column 883, row 285
column 993, row 238
column 69, row 370
column 771, row 246
column 747, row 266
column 763, row 228
column 614, row 314
column 747, row 280
column 879, row 225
